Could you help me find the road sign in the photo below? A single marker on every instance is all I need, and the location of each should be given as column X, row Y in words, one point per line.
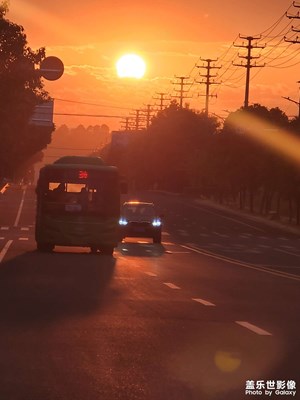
column 43, row 114
column 51, row 68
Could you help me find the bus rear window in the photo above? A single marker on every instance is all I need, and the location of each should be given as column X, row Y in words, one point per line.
column 68, row 187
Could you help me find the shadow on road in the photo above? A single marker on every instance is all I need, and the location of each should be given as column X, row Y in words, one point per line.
column 141, row 249
column 44, row 287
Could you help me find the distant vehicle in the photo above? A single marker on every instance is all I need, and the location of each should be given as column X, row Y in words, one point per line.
column 139, row 219
column 78, row 204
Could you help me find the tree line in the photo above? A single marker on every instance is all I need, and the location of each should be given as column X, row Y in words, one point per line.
column 21, row 89
column 79, row 140
column 187, row 152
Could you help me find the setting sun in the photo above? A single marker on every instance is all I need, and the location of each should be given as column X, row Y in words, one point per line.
column 131, row 66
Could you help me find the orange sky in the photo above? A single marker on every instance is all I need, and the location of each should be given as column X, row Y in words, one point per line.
column 170, row 35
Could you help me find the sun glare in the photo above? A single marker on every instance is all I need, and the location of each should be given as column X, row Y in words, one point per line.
column 131, row 66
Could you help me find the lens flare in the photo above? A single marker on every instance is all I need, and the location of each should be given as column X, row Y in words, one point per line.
column 266, row 133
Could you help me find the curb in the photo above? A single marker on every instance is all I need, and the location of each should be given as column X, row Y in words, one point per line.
column 251, row 217
column 257, row 218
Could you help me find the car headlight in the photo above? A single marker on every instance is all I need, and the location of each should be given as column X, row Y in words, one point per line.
column 123, row 221
column 156, row 222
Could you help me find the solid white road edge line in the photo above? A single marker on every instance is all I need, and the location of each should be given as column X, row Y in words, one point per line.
column 20, row 209
column 5, row 249
column 243, row 264
column 253, row 328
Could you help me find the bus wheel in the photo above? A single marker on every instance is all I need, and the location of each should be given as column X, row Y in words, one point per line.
column 45, row 247
column 107, row 250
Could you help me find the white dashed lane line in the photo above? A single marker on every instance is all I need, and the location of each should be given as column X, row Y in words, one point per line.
column 4, row 228
column 253, row 251
column 253, row 328
column 171, row 285
column 183, row 232
column 150, row 274
column 288, row 252
column 220, row 234
column 204, row 302
column 23, row 238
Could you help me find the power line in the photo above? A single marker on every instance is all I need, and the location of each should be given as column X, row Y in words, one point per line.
column 90, row 115
column 68, row 148
column 229, row 75
column 91, row 104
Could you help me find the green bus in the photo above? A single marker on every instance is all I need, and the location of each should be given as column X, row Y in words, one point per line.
column 78, row 204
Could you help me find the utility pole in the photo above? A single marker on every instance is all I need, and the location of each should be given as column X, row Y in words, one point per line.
column 148, row 112
column 294, row 101
column 207, row 82
column 128, row 124
column 182, row 83
column 248, row 65
column 162, row 99
column 126, row 127
column 137, row 119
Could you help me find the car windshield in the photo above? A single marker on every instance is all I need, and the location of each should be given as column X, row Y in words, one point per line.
column 139, row 210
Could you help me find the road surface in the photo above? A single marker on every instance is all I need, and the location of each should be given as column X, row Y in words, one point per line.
column 211, row 311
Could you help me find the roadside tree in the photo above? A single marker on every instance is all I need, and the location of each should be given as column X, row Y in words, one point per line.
column 21, row 89
column 178, row 139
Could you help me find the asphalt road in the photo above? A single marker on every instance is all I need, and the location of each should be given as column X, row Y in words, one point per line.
column 196, row 318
